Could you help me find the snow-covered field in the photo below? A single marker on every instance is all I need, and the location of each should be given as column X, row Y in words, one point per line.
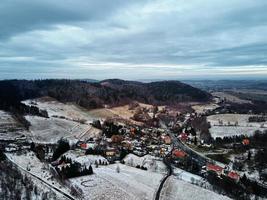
column 50, row 130
column 189, row 177
column 175, row 189
column 56, row 108
column 150, row 162
column 229, row 97
column 242, row 125
column 129, row 184
column 29, row 162
column 84, row 159
column 9, row 128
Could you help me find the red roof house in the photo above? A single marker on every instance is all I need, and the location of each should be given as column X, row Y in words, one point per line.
column 245, row 142
column 183, row 137
column 215, row 168
column 84, row 146
column 234, row 175
column 178, row 154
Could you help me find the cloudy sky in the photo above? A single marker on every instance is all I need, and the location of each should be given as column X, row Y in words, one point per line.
column 133, row 39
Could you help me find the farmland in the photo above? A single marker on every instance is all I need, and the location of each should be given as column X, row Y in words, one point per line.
column 49, row 130
column 233, row 124
column 130, row 183
column 9, row 127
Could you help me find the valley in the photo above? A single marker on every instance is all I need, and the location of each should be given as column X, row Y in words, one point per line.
column 125, row 151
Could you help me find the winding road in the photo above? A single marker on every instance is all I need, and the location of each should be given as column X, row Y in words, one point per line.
column 177, row 144
column 170, row 171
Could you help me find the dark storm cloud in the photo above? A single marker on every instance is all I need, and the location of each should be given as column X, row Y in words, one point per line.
column 19, row 16
column 133, row 39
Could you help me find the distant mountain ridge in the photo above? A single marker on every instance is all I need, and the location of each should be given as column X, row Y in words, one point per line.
column 110, row 92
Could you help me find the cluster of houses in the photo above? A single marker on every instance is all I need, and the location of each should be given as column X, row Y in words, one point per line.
column 139, row 141
column 222, row 171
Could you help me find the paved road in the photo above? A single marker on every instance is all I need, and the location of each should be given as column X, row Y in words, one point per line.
column 170, row 171
column 178, row 144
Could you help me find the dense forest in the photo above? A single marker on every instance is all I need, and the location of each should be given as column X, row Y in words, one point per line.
column 94, row 95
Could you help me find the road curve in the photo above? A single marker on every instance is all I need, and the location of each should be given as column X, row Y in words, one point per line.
column 170, row 171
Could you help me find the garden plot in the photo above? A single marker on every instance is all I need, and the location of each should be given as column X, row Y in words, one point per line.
column 50, row 130
column 9, row 128
column 129, row 184
column 233, row 124
column 175, row 189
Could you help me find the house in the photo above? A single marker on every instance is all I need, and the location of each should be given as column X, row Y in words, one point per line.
column 233, row 175
column 111, row 152
column 116, row 138
column 215, row 168
column 167, row 139
column 133, row 131
column 86, row 146
column 178, row 154
column 183, row 137
column 245, row 142
column 82, row 145
column 126, row 144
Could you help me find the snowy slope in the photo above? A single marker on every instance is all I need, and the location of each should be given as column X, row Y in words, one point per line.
column 175, row 189
column 129, row 184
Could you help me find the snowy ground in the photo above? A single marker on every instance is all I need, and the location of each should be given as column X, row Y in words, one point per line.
column 85, row 159
column 50, row 130
column 150, row 162
column 189, row 177
column 56, row 108
column 175, row 189
column 129, row 184
column 9, row 128
column 29, row 161
column 230, row 98
column 243, row 126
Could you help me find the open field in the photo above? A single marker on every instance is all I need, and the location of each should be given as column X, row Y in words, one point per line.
column 250, row 94
column 202, row 108
column 119, row 112
column 221, row 129
column 129, row 184
column 77, row 113
column 175, row 189
column 230, row 98
column 150, row 162
column 50, row 130
column 9, row 128
column 56, row 108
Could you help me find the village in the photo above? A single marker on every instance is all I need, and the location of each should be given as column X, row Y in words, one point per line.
column 155, row 140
